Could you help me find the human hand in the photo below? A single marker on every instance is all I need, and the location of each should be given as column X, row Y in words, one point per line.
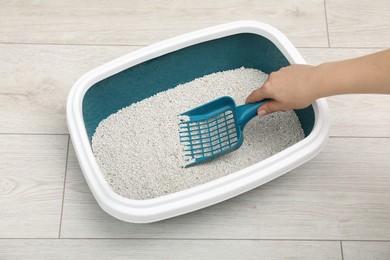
column 292, row 87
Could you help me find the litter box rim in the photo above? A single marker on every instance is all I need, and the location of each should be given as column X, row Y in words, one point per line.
column 151, row 210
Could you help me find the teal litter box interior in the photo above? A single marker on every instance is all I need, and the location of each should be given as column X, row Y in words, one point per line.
column 159, row 74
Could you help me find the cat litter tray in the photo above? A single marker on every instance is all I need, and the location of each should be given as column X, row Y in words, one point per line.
column 158, row 67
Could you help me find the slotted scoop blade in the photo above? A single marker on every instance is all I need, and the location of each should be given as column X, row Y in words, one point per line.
column 213, row 129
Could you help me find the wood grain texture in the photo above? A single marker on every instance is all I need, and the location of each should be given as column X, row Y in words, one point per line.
column 168, row 249
column 358, row 23
column 316, row 56
column 139, row 23
column 32, row 172
column 353, row 115
column 359, row 250
column 36, row 79
column 360, row 115
column 341, row 194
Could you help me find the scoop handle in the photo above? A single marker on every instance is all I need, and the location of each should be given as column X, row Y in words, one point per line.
column 246, row 112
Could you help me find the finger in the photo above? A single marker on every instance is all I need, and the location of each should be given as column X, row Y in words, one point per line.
column 270, row 107
column 257, row 95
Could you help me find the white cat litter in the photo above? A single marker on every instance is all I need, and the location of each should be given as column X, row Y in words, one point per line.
column 138, row 148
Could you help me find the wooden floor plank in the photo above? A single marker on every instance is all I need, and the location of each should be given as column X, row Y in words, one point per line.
column 360, row 250
column 138, row 22
column 36, row 79
column 32, row 169
column 340, row 194
column 360, row 115
column 316, row 56
column 358, row 23
column 168, row 249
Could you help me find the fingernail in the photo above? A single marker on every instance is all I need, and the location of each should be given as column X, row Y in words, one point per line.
column 262, row 113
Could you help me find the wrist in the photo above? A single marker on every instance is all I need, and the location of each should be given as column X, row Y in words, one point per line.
column 320, row 82
column 327, row 80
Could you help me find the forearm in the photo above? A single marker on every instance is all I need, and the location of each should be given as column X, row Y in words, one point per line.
column 367, row 74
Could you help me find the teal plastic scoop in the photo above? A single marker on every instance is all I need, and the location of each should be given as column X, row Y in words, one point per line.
column 214, row 129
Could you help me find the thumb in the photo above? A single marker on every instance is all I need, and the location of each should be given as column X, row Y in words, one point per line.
column 270, row 107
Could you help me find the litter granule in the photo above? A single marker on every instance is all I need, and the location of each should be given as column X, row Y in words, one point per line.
column 138, row 148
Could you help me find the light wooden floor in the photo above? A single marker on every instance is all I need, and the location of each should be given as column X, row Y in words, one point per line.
column 337, row 206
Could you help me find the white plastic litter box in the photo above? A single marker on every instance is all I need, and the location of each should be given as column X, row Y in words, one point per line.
column 181, row 59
